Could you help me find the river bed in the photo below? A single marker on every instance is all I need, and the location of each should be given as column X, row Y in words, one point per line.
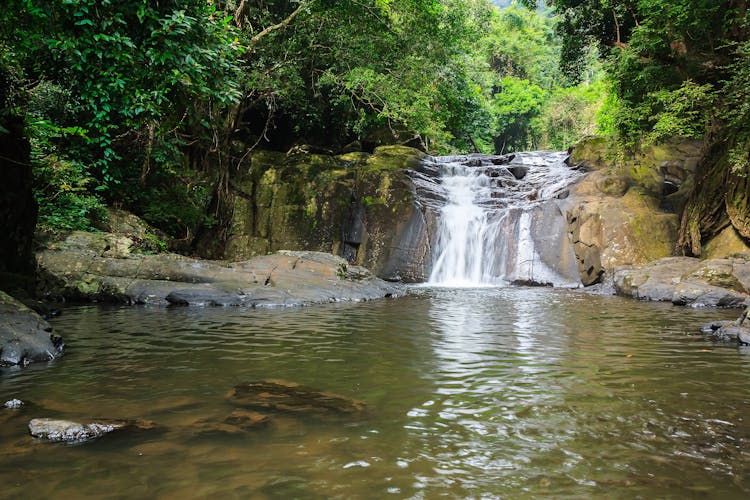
column 493, row 392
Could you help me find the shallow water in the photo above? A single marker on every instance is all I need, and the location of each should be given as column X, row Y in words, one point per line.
column 511, row 392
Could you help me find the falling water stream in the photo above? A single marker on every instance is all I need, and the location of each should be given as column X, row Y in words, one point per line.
column 487, row 209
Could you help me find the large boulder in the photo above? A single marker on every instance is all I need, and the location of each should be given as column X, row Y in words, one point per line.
column 24, row 336
column 100, row 267
column 687, row 281
column 360, row 206
column 625, row 211
column 611, row 226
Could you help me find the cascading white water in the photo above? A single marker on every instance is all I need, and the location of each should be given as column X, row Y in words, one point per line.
column 487, row 219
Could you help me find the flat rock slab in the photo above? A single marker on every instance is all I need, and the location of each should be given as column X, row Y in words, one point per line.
column 290, row 397
column 84, row 268
column 24, row 336
column 687, row 281
column 55, row 430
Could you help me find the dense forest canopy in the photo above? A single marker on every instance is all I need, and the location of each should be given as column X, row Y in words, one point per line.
column 152, row 105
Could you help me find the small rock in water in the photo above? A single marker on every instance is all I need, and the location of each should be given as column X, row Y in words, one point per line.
column 519, row 171
column 14, row 404
column 55, row 430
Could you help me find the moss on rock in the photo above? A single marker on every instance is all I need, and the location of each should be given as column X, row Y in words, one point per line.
column 349, row 204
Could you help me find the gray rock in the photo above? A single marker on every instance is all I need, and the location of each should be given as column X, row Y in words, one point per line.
column 73, row 272
column 13, row 404
column 743, row 336
column 55, row 430
column 24, row 336
column 519, row 171
column 722, row 331
column 684, row 281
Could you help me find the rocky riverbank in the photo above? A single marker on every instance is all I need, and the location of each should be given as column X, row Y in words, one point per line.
column 101, row 267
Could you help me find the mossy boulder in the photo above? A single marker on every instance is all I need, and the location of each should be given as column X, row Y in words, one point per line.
column 609, row 231
column 592, row 153
column 726, row 244
column 353, row 205
column 625, row 212
column 660, row 169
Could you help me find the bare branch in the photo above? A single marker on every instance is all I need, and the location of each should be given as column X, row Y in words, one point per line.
column 270, row 29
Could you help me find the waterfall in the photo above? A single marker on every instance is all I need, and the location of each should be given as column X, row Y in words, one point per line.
column 498, row 219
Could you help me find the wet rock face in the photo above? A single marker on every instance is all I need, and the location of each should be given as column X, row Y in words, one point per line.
column 290, row 397
column 54, row 430
column 355, row 205
column 24, row 336
column 687, row 281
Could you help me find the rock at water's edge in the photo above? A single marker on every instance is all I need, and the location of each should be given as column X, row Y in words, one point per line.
column 687, row 281
column 730, row 331
column 24, row 336
column 75, row 271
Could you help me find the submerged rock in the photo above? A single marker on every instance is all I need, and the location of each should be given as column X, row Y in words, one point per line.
column 55, row 430
column 291, row 397
column 24, row 336
column 237, row 423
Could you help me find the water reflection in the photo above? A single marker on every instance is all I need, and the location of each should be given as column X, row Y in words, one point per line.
column 491, row 392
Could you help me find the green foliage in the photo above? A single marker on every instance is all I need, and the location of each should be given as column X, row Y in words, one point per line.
column 63, row 193
column 119, row 91
column 683, row 112
column 666, row 60
column 406, row 65
column 522, row 43
column 515, row 106
column 569, row 114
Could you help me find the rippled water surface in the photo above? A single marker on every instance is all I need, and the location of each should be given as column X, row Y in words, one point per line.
column 513, row 393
